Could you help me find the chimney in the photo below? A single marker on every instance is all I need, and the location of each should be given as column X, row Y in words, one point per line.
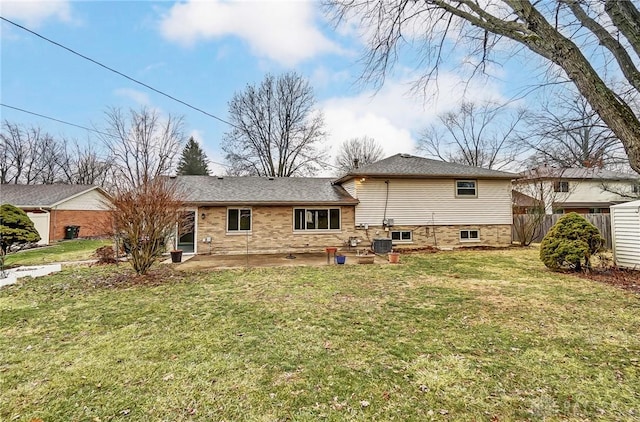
column 355, row 163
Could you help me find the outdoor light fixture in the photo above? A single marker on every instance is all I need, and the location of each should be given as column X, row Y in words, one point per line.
column 203, row 215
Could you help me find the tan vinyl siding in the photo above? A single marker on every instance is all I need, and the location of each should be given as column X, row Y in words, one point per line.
column 350, row 187
column 432, row 202
column 88, row 201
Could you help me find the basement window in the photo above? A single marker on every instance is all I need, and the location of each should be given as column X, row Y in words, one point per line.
column 402, row 236
column 469, row 236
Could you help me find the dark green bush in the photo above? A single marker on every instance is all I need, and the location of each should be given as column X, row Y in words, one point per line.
column 570, row 243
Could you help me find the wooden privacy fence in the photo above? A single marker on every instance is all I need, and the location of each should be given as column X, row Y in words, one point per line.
column 601, row 221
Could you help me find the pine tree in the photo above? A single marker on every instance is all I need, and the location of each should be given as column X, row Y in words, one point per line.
column 16, row 228
column 193, row 160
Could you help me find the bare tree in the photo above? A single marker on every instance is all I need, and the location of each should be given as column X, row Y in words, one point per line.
column 276, row 131
column 357, row 152
column 480, row 135
column 28, row 155
column 146, row 217
column 585, row 39
column 82, row 164
column 568, row 133
column 142, row 145
column 534, row 195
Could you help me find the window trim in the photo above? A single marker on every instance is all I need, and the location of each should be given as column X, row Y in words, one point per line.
column 558, row 184
column 304, row 229
column 410, row 240
column 469, row 238
column 239, row 231
column 464, row 195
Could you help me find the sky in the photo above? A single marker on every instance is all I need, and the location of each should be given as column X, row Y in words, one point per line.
column 204, row 52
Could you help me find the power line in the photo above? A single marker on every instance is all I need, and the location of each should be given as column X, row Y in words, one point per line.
column 56, row 120
column 78, row 126
column 117, row 72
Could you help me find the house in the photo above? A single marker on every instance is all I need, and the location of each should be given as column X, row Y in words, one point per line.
column 53, row 208
column 409, row 201
column 264, row 214
column 625, row 233
column 581, row 190
column 420, row 202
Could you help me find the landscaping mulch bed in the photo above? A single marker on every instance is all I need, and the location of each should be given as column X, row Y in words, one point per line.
column 624, row 279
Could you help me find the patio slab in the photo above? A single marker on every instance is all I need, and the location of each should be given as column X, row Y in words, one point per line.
column 199, row 262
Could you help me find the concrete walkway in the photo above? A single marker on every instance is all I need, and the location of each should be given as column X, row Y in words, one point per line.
column 31, row 271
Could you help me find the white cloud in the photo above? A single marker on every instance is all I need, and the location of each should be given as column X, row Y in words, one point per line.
column 34, row 12
column 283, row 31
column 139, row 97
column 394, row 116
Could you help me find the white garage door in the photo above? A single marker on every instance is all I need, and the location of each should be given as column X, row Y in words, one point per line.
column 41, row 221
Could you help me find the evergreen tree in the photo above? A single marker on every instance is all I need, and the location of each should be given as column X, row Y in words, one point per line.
column 15, row 228
column 193, row 160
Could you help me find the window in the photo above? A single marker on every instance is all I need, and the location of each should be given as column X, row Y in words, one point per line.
column 469, row 235
column 401, row 236
column 466, row 188
column 238, row 219
column 561, row 186
column 598, row 210
column 635, row 189
column 316, row 219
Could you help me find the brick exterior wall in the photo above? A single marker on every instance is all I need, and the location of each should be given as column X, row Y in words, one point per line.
column 272, row 232
column 92, row 223
column 449, row 236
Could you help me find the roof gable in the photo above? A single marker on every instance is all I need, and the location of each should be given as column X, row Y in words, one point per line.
column 410, row 166
column 261, row 190
column 42, row 196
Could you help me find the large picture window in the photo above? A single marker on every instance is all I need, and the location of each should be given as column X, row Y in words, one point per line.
column 466, row 188
column 316, row 219
column 238, row 219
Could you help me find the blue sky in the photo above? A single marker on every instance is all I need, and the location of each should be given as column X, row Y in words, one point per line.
column 201, row 53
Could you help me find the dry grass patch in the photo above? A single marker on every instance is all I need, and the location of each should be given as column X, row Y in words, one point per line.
column 471, row 335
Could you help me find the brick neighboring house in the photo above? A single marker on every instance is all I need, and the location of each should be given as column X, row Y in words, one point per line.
column 54, row 207
column 581, row 190
column 413, row 201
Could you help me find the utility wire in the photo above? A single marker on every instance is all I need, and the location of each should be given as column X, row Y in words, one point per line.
column 56, row 120
column 79, row 126
column 117, row 72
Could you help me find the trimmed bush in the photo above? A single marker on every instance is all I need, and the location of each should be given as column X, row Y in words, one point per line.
column 16, row 228
column 570, row 243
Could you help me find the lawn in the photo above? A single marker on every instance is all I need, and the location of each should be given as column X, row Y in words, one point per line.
column 463, row 335
column 67, row 250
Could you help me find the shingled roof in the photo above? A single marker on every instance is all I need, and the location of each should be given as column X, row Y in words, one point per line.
column 41, row 196
column 549, row 172
column 405, row 165
column 214, row 190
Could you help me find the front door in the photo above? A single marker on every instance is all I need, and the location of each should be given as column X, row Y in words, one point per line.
column 186, row 232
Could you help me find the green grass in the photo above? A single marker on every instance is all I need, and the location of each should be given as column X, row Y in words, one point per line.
column 473, row 335
column 67, row 250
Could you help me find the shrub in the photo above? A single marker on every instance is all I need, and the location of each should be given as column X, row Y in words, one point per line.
column 570, row 243
column 16, row 228
column 106, row 255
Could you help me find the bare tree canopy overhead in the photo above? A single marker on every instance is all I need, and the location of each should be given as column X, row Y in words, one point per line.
column 479, row 135
column 142, row 144
column 568, row 133
column 277, row 132
column 586, row 39
column 365, row 150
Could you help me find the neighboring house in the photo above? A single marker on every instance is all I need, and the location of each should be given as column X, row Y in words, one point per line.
column 581, row 190
column 414, row 201
column 52, row 208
